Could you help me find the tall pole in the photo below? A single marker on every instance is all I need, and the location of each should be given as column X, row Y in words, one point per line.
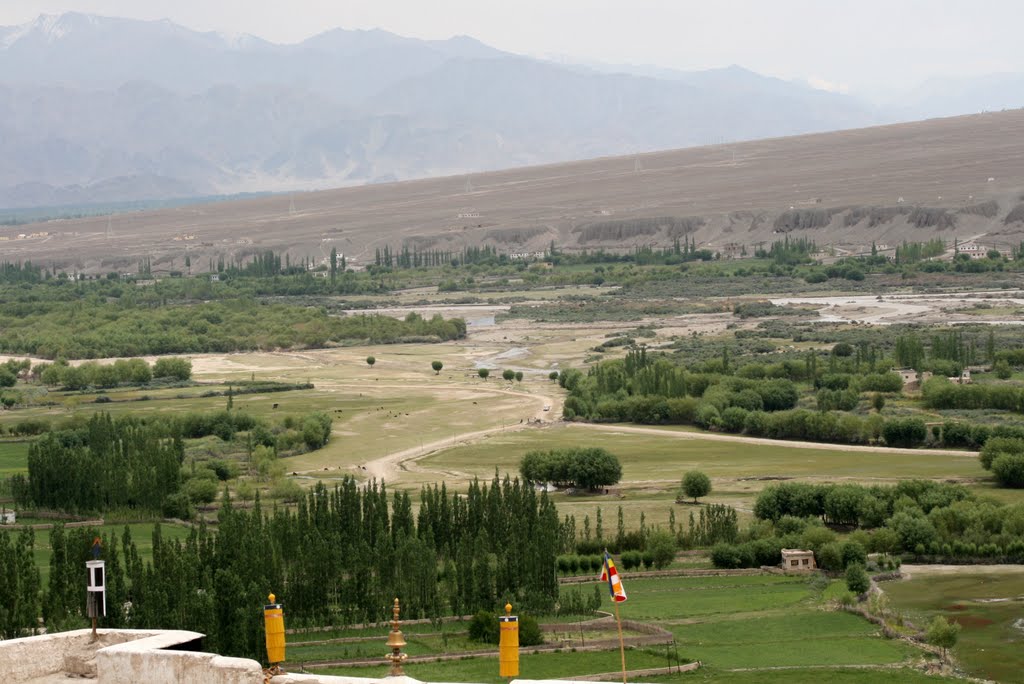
column 622, row 645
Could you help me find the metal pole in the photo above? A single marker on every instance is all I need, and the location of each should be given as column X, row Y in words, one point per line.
column 622, row 645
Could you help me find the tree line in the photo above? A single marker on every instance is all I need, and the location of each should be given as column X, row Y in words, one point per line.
column 135, row 463
column 121, row 372
column 339, row 557
column 98, row 329
column 933, row 521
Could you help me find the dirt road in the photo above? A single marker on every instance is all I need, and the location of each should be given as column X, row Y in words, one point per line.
column 775, row 442
column 390, row 467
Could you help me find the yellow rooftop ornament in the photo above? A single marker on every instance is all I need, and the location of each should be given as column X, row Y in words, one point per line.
column 508, row 643
column 395, row 642
column 273, row 620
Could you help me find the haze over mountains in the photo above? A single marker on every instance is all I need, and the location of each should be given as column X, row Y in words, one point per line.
column 96, row 109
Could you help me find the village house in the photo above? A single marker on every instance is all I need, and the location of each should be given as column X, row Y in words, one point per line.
column 973, row 250
column 963, row 379
column 798, row 560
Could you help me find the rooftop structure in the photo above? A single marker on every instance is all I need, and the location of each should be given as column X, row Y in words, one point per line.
column 128, row 656
column 798, row 560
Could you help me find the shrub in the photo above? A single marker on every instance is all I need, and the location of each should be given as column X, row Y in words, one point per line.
column 177, row 506
column 661, row 545
column 172, row 367
column 707, row 416
column 734, row 419
column 904, row 432
column 201, row 489
column 830, row 557
column 857, row 580
column 483, row 628
column 1009, row 470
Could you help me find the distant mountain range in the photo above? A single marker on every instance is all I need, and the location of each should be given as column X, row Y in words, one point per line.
column 97, row 109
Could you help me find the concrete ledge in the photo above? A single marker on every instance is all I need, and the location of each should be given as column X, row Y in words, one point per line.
column 122, row 656
column 152, row 660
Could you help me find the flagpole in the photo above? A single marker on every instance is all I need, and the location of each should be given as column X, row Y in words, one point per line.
column 622, row 645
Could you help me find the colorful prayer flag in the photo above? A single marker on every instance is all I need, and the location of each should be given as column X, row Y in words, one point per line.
column 610, row 575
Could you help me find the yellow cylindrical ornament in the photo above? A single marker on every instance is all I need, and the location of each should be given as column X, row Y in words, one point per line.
column 273, row 619
column 508, row 643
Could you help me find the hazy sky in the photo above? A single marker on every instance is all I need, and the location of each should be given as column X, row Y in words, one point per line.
column 861, row 45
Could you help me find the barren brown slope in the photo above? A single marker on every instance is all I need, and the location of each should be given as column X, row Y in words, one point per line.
column 968, row 172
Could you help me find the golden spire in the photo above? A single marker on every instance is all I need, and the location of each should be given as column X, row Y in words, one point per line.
column 395, row 642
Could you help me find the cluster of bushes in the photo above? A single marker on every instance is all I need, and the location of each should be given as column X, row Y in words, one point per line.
column 292, row 433
column 587, row 468
column 940, row 393
column 647, row 550
column 1004, row 456
column 88, row 328
column 121, row 372
column 10, row 369
column 974, row 435
column 915, row 517
column 570, row 564
column 134, row 462
column 484, row 628
column 851, row 504
column 575, row 602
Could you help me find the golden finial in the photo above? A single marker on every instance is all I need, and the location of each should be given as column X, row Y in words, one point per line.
column 270, row 598
column 395, row 642
column 508, row 609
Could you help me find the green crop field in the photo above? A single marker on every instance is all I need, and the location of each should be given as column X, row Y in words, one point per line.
column 762, row 628
column 531, row 666
column 987, row 606
column 13, row 458
column 142, row 535
column 654, row 460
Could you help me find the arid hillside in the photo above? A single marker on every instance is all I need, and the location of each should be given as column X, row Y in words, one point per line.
column 959, row 177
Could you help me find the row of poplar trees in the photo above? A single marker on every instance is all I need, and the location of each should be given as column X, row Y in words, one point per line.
column 339, row 557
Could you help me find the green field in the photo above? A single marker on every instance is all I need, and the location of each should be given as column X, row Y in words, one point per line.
column 985, row 605
column 531, row 666
column 741, row 628
column 654, row 460
column 13, row 458
column 142, row 535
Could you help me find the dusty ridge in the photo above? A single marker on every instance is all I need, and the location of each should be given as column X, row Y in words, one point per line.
column 942, row 177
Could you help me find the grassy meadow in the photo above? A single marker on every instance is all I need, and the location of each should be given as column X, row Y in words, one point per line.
column 742, row 629
column 987, row 607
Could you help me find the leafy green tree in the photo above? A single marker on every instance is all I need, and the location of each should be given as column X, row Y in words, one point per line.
column 857, row 579
column 370, row 361
column 508, row 374
column 589, row 468
column 483, row 372
column 201, row 489
column 943, row 634
column 7, row 378
column 695, row 484
column 437, row 366
column 842, row 350
column 662, row 546
column 519, row 376
column 1002, row 369
column 174, row 368
column 878, row 401
column 553, row 376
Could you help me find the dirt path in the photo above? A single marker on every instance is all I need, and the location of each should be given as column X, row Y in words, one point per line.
column 776, row 442
column 910, row 571
column 389, row 467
